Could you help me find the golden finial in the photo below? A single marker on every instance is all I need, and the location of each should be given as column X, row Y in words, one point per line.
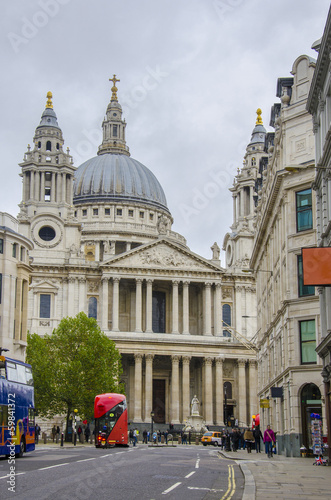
column 114, row 89
column 259, row 118
column 49, row 103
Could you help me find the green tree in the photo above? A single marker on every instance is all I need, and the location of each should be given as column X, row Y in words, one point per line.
column 71, row 366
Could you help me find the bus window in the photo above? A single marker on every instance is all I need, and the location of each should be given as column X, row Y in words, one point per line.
column 28, row 376
column 11, row 371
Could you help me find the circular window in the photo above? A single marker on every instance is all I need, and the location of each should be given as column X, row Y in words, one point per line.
column 46, row 233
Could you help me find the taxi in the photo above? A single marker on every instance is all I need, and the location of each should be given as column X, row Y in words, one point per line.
column 210, row 437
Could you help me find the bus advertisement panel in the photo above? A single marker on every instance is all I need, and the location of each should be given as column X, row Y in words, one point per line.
column 17, row 424
column 111, row 420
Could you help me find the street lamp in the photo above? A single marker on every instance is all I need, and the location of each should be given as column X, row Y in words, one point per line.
column 75, row 432
column 152, row 416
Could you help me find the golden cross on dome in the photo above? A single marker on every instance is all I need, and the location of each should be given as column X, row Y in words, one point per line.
column 114, row 89
column 259, row 118
column 49, row 103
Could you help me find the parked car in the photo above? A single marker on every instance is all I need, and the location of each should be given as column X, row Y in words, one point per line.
column 214, row 438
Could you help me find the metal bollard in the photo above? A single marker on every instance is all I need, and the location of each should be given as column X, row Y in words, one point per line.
column 44, row 437
column 62, row 439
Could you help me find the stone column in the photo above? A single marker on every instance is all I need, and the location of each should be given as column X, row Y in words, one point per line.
column 242, row 408
column 82, row 294
column 32, row 185
column 116, row 302
column 219, row 391
column 65, row 293
column 253, row 402
column 37, row 192
column 175, row 307
column 175, row 390
column 138, row 304
column 208, row 391
column 64, row 192
column 53, row 186
column 42, row 187
column 218, row 310
column 207, row 330
column 71, row 296
column 148, row 387
column 104, row 317
column 58, row 188
column 149, row 306
column 137, row 387
column 186, row 307
column 186, row 387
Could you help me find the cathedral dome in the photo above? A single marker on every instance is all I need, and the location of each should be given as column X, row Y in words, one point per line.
column 119, row 178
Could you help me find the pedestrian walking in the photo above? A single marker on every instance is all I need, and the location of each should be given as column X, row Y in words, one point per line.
column 53, row 432
column 235, row 439
column 269, row 440
column 37, row 433
column 87, row 433
column 249, row 439
column 257, row 437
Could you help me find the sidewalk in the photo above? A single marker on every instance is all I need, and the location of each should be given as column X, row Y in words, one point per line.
column 281, row 477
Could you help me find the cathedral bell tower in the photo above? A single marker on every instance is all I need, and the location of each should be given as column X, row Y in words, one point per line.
column 47, row 171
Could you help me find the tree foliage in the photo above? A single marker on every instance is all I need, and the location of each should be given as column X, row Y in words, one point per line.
column 72, row 365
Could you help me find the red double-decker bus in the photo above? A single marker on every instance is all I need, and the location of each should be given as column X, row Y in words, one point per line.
column 111, row 420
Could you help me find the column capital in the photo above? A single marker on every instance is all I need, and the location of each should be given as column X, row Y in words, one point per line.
column 138, row 356
column 175, row 282
column 116, row 279
column 139, row 280
column 241, row 362
column 71, row 279
column 252, row 362
column 149, row 281
column 208, row 284
column 175, row 358
column 186, row 283
column 186, row 360
column 149, row 357
column 218, row 286
column 219, row 360
column 208, row 361
column 104, row 279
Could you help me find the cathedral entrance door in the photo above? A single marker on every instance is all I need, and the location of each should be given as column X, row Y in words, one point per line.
column 159, row 401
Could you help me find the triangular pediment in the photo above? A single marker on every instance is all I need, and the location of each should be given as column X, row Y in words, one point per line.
column 161, row 254
column 44, row 286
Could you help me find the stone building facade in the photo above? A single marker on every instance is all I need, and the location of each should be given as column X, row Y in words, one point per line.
column 319, row 105
column 14, row 285
column 288, row 319
column 104, row 244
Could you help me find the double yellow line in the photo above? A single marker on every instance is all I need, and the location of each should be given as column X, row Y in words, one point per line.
column 231, row 485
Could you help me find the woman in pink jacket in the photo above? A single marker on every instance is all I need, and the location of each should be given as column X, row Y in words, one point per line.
column 269, row 440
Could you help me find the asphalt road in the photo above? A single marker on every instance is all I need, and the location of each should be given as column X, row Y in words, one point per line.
column 144, row 473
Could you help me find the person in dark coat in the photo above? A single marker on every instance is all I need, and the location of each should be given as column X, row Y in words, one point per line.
column 257, row 436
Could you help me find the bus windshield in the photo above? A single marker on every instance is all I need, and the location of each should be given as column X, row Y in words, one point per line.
column 108, row 420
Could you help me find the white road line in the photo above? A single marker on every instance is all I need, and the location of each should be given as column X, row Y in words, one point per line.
column 108, row 455
column 197, row 463
column 86, row 459
column 52, row 466
column 190, row 474
column 16, row 474
column 171, row 488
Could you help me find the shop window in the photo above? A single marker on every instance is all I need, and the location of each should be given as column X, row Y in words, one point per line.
column 308, row 342
column 304, row 212
column 304, row 290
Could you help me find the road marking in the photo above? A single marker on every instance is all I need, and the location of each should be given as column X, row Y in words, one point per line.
column 16, row 474
column 86, row 459
column 108, row 455
column 231, row 485
column 197, row 463
column 203, row 489
column 171, row 488
column 190, row 474
column 52, row 466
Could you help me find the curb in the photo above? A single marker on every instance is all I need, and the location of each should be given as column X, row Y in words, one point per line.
column 250, row 485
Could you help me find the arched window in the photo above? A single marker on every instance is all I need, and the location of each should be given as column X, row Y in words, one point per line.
column 48, row 146
column 228, row 390
column 253, row 162
column 92, row 307
column 226, row 315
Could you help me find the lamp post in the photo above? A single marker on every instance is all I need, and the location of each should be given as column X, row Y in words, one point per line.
column 75, row 431
column 152, row 416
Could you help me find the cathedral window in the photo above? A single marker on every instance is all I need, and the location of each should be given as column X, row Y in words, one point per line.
column 118, row 211
column 46, row 233
column 130, row 213
column 253, row 162
column 45, row 306
column 48, row 146
column 304, row 210
column 84, row 212
column 107, row 211
column 141, row 215
column 95, row 211
column 14, row 250
column 39, row 145
column 92, row 307
column 228, row 390
column 151, row 217
column 47, row 194
column 22, row 256
column 308, row 342
column 57, row 146
column 57, row 160
column 114, row 130
column 39, row 158
column 48, row 176
column 226, row 315
column 1, row 245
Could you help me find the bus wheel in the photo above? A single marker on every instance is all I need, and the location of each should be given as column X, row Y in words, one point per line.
column 22, row 449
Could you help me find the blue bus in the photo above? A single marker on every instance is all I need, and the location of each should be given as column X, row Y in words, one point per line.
column 17, row 414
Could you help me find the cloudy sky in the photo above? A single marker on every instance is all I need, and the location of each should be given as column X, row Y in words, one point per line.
column 192, row 74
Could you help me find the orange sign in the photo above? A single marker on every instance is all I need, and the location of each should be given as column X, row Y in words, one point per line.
column 316, row 263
